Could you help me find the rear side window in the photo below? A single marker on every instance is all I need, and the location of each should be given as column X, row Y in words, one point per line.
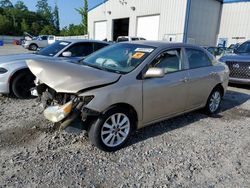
column 81, row 49
column 197, row 58
column 98, row 46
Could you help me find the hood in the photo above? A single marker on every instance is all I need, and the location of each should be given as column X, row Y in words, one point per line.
column 236, row 57
column 69, row 77
column 11, row 58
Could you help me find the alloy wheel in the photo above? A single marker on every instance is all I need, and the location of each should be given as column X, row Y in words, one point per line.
column 214, row 102
column 115, row 130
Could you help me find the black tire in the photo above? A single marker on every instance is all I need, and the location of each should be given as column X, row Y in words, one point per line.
column 22, row 83
column 33, row 47
column 97, row 128
column 210, row 110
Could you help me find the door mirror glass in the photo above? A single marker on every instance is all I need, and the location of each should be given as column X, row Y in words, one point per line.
column 66, row 54
column 154, row 73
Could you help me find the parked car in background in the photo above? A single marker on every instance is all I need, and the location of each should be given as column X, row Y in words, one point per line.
column 15, row 76
column 129, row 85
column 231, row 48
column 39, row 42
column 216, row 51
column 127, row 38
column 239, row 64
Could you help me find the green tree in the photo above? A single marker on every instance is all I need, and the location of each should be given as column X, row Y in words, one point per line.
column 35, row 28
column 56, row 18
column 21, row 6
column 44, row 10
column 84, row 14
column 5, row 25
column 6, row 4
column 48, row 30
column 24, row 26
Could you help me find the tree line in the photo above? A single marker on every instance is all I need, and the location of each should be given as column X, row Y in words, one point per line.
column 15, row 19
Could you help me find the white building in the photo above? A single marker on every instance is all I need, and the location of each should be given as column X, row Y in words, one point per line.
column 202, row 22
column 235, row 22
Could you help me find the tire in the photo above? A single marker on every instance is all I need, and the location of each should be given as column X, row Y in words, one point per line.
column 21, row 85
column 213, row 102
column 109, row 136
column 33, row 47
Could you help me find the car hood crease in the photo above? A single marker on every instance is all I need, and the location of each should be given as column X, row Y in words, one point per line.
column 66, row 77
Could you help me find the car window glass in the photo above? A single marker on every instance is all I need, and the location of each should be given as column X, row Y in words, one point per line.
column 98, row 46
column 134, row 38
column 244, row 48
column 44, row 37
column 170, row 61
column 197, row 58
column 81, row 49
column 51, row 38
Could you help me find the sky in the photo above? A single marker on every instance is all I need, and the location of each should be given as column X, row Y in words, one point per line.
column 67, row 12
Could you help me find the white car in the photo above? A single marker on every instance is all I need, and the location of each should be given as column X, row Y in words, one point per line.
column 15, row 77
column 127, row 38
column 39, row 42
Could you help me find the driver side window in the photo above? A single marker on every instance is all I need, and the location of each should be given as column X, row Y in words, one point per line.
column 170, row 61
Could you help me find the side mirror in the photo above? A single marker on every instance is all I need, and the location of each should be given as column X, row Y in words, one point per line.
column 154, row 73
column 66, row 54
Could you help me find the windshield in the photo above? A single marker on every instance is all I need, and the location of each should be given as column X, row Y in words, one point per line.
column 120, row 58
column 54, row 48
column 243, row 48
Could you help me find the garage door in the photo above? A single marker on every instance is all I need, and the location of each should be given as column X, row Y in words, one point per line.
column 148, row 27
column 101, row 30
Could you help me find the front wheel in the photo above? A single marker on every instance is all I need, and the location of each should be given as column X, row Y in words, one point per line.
column 22, row 84
column 111, row 131
column 213, row 102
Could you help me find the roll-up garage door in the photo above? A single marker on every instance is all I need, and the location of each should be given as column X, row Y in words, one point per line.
column 148, row 27
column 101, row 30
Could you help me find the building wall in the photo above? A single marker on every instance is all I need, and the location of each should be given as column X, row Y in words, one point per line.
column 204, row 22
column 172, row 16
column 235, row 22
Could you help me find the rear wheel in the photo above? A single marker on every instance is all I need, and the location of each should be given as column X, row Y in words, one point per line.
column 22, row 83
column 111, row 131
column 214, row 101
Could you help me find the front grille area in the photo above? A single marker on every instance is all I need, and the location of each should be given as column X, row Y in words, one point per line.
column 239, row 69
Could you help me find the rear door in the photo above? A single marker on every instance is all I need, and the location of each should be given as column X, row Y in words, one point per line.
column 166, row 96
column 201, row 79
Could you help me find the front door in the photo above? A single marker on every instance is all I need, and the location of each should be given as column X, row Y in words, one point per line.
column 166, row 96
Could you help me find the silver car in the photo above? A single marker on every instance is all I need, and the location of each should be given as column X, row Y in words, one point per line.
column 15, row 76
column 128, row 86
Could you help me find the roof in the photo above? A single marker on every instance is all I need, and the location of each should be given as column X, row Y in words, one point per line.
column 222, row 1
column 158, row 44
column 83, row 40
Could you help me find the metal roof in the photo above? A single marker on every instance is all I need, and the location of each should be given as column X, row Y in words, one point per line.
column 222, row 1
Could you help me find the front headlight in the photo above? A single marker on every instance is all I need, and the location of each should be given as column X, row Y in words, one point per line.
column 3, row 70
column 58, row 113
column 87, row 99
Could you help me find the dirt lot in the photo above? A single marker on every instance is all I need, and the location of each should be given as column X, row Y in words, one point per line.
column 192, row 150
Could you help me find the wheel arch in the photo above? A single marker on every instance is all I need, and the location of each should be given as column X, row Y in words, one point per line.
column 13, row 76
column 221, row 88
column 127, row 106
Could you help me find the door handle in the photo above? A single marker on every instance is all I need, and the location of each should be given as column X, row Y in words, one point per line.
column 185, row 79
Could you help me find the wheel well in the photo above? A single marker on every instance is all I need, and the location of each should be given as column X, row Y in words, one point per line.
column 33, row 44
column 130, row 108
column 14, row 76
column 221, row 88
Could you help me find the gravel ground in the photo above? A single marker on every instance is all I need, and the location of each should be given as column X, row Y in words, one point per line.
column 8, row 49
column 192, row 150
